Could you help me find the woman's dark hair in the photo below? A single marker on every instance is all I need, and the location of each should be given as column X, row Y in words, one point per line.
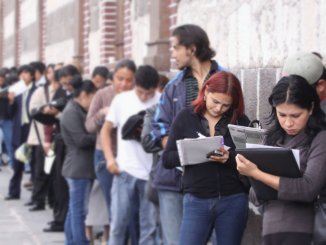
column 125, row 63
column 297, row 91
column 50, row 66
column 226, row 83
column 38, row 66
column 86, row 86
column 193, row 35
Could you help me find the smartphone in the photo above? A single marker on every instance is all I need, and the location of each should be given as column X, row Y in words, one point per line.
column 214, row 153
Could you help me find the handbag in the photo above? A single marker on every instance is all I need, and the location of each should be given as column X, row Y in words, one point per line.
column 23, row 153
column 319, row 233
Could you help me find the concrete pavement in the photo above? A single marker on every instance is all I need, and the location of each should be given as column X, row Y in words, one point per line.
column 18, row 225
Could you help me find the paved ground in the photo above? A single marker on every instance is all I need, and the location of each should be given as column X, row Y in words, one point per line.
column 18, row 225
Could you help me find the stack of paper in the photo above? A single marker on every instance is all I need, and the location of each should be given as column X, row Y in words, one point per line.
column 242, row 135
column 194, row 151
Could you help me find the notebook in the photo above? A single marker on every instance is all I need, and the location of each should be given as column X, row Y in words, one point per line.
column 276, row 161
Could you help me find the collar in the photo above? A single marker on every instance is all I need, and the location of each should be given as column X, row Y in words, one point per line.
column 212, row 70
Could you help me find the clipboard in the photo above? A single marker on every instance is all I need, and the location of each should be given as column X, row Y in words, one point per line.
column 276, row 161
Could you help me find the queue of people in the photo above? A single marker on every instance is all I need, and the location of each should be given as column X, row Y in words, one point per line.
column 116, row 158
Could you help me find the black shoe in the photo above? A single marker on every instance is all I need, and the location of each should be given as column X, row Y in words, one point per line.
column 37, row 207
column 51, row 222
column 30, row 203
column 54, row 228
column 9, row 198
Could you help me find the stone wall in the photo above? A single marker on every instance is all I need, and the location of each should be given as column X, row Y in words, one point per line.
column 252, row 38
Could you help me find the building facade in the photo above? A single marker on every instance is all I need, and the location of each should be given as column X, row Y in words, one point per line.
column 251, row 38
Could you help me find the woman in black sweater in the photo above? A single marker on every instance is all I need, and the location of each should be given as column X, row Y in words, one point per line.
column 214, row 195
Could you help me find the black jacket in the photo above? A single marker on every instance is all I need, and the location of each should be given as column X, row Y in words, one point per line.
column 208, row 179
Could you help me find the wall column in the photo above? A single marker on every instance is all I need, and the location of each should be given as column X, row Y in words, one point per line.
column 158, row 46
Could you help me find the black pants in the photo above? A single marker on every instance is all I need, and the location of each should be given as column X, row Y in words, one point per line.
column 18, row 167
column 41, row 179
column 60, row 186
column 288, row 238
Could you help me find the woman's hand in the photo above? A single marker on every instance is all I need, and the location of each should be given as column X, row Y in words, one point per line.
column 220, row 159
column 245, row 167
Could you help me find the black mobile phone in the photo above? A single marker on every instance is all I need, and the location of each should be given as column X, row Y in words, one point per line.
column 214, row 153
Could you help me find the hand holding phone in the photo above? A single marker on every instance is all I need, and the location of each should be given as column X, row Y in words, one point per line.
column 214, row 153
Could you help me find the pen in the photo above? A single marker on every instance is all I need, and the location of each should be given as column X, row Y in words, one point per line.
column 201, row 135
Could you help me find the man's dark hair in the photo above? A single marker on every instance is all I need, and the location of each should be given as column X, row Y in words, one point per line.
column 102, row 71
column 27, row 68
column 193, row 35
column 69, row 70
column 86, row 86
column 38, row 66
column 147, row 77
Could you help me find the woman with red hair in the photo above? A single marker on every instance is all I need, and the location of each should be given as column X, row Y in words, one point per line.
column 214, row 195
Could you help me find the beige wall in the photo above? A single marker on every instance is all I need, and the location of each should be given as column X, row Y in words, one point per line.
column 262, row 33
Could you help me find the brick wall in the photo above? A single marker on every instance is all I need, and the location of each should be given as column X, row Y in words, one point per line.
column 62, row 30
column 127, row 48
column 108, row 17
column 8, row 33
column 42, row 30
column 173, row 24
column 1, row 33
column 17, row 33
column 86, row 19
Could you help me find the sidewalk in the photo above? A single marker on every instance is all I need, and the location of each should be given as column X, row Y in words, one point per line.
column 20, row 226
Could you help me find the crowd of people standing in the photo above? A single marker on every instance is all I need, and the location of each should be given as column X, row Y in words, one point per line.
column 116, row 161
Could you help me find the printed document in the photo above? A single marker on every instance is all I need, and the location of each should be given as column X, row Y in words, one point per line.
column 242, row 135
column 194, row 151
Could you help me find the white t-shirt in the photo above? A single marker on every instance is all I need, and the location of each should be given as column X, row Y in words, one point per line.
column 131, row 156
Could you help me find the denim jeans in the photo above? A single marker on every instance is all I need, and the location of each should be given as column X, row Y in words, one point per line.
column 124, row 188
column 6, row 126
column 104, row 177
column 79, row 190
column 228, row 215
column 170, row 204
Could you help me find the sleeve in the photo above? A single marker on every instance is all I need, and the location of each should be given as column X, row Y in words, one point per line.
column 37, row 99
column 113, row 114
column 170, row 157
column 149, row 145
column 73, row 123
column 94, row 120
column 163, row 115
column 307, row 188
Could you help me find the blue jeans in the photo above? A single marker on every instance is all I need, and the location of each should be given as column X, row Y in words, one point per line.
column 104, row 177
column 6, row 126
column 124, row 188
column 170, row 204
column 79, row 190
column 228, row 215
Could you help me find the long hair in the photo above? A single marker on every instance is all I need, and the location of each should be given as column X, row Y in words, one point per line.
column 193, row 35
column 226, row 83
column 295, row 90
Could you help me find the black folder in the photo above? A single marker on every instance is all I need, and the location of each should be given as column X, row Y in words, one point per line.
column 276, row 161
